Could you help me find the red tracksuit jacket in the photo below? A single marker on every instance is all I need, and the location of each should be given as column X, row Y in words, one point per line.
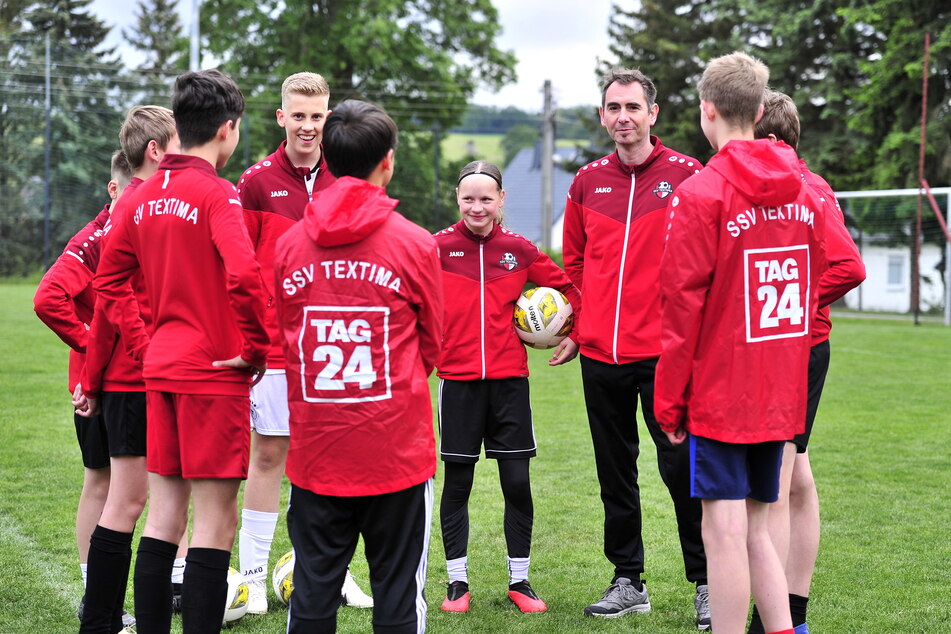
column 359, row 298
column 613, row 239
column 846, row 269
column 64, row 300
column 483, row 276
column 274, row 195
column 187, row 235
column 109, row 366
column 739, row 292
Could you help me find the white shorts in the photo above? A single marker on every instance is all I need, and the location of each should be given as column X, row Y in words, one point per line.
column 269, row 413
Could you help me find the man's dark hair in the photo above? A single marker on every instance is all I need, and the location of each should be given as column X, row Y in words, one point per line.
column 201, row 102
column 357, row 137
column 626, row 77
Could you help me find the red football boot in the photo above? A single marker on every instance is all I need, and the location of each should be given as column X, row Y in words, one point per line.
column 457, row 597
column 525, row 598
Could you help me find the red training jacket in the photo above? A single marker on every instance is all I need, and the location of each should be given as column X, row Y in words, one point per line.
column 484, row 276
column 360, row 303
column 64, row 299
column 274, row 193
column 846, row 269
column 108, row 365
column 613, row 240
column 739, row 292
column 187, row 235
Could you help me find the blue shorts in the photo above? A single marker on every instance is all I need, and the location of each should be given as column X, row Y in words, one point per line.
column 730, row 471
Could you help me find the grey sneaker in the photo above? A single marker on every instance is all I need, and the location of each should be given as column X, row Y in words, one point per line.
column 619, row 599
column 702, row 603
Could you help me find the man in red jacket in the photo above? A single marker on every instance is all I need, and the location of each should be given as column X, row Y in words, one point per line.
column 359, row 297
column 613, row 238
column 274, row 192
column 739, row 279
column 64, row 301
column 794, row 518
column 207, row 343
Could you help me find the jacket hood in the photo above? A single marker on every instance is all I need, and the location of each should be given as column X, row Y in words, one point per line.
column 765, row 173
column 346, row 212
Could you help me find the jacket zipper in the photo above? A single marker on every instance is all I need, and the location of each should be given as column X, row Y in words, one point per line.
column 620, row 277
column 482, row 305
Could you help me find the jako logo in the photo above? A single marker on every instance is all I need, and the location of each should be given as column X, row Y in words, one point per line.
column 602, row 190
column 456, row 254
column 278, row 194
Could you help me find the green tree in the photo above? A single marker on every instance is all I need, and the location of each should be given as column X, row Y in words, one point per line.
column 157, row 34
column 420, row 59
column 889, row 112
column 83, row 77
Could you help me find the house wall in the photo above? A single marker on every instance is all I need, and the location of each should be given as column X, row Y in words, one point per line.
column 887, row 286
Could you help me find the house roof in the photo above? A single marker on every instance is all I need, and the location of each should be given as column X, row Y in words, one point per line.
column 523, row 190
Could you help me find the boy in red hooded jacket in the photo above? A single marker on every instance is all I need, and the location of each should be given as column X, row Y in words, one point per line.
column 739, row 291
column 359, row 298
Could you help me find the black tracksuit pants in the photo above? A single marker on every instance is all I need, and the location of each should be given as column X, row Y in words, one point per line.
column 611, row 393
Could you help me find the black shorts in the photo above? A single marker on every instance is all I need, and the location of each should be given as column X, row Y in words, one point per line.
column 497, row 412
column 818, row 367
column 93, row 443
column 125, row 422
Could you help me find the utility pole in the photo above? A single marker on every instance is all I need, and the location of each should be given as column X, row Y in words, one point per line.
column 194, row 61
column 437, row 139
column 547, row 167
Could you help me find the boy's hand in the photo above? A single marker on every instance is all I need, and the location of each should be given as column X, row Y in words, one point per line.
column 564, row 352
column 257, row 371
column 85, row 406
column 678, row 436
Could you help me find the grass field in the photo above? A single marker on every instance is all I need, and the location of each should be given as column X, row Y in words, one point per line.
column 487, row 147
column 881, row 453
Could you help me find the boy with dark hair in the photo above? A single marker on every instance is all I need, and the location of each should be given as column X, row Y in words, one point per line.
column 274, row 192
column 739, row 288
column 208, row 341
column 794, row 518
column 64, row 301
column 360, row 306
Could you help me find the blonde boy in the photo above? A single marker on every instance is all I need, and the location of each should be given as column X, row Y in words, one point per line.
column 744, row 250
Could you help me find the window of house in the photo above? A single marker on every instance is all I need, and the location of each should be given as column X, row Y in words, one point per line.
column 896, row 271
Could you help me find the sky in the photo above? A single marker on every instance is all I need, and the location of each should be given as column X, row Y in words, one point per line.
column 551, row 39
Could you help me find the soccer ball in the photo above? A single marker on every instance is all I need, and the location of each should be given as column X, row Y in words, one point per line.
column 543, row 317
column 282, row 578
column 236, row 601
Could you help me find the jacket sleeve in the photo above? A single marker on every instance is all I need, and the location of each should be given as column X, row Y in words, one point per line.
column 573, row 241
column 845, row 267
column 55, row 297
column 113, row 284
column 102, row 343
column 430, row 307
column 544, row 272
column 686, row 273
column 245, row 285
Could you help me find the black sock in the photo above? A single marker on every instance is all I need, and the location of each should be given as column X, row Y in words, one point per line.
column 797, row 608
column 110, row 553
column 204, row 590
column 153, row 587
column 756, row 625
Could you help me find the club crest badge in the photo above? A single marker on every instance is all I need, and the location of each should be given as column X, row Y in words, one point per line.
column 663, row 189
column 508, row 262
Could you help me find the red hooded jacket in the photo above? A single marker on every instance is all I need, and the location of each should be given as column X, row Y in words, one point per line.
column 739, row 292
column 359, row 299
